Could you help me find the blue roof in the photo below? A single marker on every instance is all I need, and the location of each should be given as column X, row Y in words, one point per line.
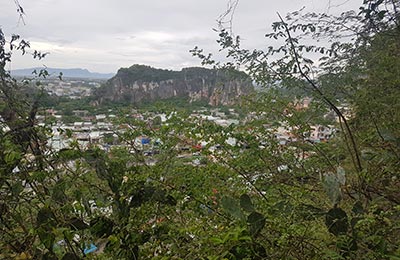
column 145, row 140
column 90, row 249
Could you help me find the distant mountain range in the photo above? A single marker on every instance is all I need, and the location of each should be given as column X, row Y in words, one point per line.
column 68, row 73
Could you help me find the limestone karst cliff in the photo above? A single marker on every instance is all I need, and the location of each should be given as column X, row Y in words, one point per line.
column 141, row 83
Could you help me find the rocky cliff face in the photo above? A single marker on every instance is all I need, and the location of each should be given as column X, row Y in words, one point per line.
column 142, row 83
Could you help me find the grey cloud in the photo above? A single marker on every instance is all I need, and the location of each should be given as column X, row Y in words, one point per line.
column 103, row 35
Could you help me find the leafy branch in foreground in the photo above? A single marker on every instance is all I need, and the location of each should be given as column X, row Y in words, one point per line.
column 354, row 66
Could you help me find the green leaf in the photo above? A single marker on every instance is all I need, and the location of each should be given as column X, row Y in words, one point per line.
column 3, row 209
column 341, row 175
column 332, row 188
column 59, row 192
column 216, row 240
column 232, row 207
column 39, row 176
column 47, row 238
column 50, row 256
column 310, row 212
column 12, row 156
column 347, row 244
column 69, row 154
column 45, row 217
column 101, row 227
column 17, row 188
column 256, row 222
column 381, row 14
column 387, row 135
column 336, row 221
column 70, row 256
column 358, row 208
column 170, row 200
column 246, row 204
column 78, row 224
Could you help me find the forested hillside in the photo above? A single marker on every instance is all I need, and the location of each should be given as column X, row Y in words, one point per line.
column 139, row 83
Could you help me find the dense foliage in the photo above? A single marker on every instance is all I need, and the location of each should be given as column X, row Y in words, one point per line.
column 148, row 74
column 254, row 198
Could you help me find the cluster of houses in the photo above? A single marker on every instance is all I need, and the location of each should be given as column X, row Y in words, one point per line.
column 74, row 89
column 93, row 130
column 100, row 130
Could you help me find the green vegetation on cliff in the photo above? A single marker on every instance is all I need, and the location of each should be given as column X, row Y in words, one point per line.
column 149, row 74
column 139, row 83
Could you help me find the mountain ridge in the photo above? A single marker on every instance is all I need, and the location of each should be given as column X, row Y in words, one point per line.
column 67, row 72
column 141, row 83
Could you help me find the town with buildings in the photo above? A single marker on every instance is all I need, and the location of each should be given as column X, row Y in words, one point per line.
column 72, row 88
column 104, row 130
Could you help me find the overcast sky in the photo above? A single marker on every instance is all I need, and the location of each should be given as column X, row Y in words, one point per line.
column 104, row 35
